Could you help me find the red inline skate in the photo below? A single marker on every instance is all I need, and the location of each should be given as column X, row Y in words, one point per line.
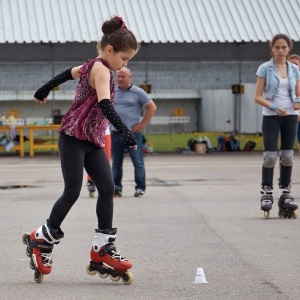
column 106, row 260
column 40, row 243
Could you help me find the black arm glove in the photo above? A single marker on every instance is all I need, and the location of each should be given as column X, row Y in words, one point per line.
column 44, row 91
column 110, row 113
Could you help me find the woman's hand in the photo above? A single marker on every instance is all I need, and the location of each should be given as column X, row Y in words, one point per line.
column 296, row 106
column 282, row 112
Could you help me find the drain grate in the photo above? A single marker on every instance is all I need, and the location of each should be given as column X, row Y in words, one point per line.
column 11, row 187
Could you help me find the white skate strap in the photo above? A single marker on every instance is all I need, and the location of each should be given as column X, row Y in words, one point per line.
column 44, row 233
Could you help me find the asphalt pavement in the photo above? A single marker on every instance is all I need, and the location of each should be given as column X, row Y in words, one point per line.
column 200, row 213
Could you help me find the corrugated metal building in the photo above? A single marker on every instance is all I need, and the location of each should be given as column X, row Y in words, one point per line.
column 197, row 45
column 155, row 21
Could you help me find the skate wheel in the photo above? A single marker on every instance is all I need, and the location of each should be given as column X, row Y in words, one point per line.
column 115, row 279
column 103, row 276
column 90, row 272
column 25, row 241
column 32, row 266
column 266, row 214
column 127, row 278
column 281, row 214
column 25, row 237
column 295, row 214
column 91, row 195
column 38, row 276
column 102, row 271
column 28, row 252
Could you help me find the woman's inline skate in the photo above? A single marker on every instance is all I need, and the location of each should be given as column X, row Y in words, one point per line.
column 40, row 243
column 266, row 201
column 90, row 187
column 286, row 204
column 105, row 260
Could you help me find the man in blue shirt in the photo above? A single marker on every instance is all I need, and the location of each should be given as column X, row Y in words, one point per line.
column 130, row 101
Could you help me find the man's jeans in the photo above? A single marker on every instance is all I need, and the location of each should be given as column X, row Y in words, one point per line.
column 137, row 157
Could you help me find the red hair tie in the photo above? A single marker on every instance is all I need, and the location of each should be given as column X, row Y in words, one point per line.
column 123, row 23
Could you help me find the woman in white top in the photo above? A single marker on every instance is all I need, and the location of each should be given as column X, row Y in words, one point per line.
column 278, row 91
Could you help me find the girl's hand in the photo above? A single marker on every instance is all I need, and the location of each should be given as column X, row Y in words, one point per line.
column 40, row 102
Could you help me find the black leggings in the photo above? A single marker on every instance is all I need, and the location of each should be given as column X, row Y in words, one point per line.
column 271, row 127
column 75, row 155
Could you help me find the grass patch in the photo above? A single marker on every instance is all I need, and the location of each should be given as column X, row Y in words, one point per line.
column 170, row 142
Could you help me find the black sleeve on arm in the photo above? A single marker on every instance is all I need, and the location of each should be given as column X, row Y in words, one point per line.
column 110, row 113
column 44, row 91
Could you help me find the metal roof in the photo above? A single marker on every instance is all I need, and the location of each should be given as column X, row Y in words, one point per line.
column 68, row 95
column 165, row 21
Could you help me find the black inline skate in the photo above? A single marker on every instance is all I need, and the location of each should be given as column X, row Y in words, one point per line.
column 287, row 207
column 266, row 200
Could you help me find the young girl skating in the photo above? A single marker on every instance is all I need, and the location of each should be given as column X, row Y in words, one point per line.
column 81, row 146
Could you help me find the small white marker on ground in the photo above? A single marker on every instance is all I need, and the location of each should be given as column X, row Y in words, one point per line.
column 200, row 276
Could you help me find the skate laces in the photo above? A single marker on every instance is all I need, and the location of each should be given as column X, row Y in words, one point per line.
column 287, row 195
column 47, row 258
column 110, row 249
column 288, row 201
column 117, row 255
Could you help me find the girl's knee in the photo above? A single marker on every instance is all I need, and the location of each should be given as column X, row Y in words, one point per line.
column 72, row 194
